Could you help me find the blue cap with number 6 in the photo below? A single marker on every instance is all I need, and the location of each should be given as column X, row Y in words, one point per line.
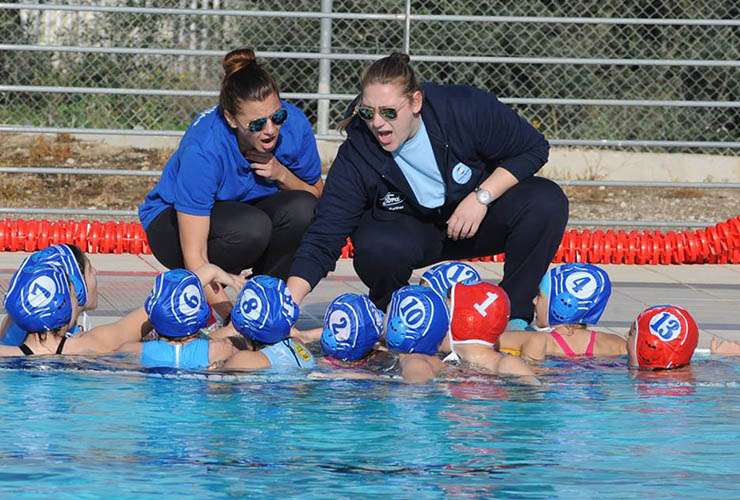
column 39, row 298
column 352, row 326
column 177, row 304
column 264, row 310
column 417, row 320
column 577, row 293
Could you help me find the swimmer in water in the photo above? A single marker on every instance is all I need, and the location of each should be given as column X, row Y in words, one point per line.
column 264, row 314
column 178, row 310
column 570, row 298
column 81, row 273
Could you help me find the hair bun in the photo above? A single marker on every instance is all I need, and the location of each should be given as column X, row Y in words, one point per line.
column 400, row 55
column 238, row 59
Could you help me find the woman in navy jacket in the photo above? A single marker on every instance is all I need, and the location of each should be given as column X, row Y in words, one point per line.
column 241, row 188
column 430, row 173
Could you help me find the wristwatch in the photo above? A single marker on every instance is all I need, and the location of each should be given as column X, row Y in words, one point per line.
column 484, row 197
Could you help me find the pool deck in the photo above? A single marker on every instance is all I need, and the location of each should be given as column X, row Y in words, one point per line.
column 710, row 292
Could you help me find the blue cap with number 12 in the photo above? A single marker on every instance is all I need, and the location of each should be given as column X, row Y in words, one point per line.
column 577, row 293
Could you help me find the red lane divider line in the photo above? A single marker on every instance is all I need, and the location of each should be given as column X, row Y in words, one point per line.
column 718, row 244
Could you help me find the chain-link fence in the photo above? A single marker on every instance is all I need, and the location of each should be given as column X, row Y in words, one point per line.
column 659, row 73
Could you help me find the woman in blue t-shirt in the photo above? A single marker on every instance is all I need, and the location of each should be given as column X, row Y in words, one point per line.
column 241, row 188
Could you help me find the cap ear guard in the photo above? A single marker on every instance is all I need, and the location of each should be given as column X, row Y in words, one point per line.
column 417, row 320
column 666, row 337
column 577, row 293
column 39, row 298
column 264, row 310
column 352, row 326
column 177, row 305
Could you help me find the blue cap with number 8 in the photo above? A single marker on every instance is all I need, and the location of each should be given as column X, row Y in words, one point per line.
column 264, row 310
column 352, row 326
column 177, row 304
column 577, row 293
column 39, row 298
column 417, row 320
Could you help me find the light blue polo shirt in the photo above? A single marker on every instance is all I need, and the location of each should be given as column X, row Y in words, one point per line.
column 208, row 166
column 416, row 160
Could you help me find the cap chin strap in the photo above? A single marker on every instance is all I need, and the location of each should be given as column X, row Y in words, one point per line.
column 452, row 356
column 85, row 321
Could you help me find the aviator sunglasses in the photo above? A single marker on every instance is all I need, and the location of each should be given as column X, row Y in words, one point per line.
column 277, row 118
column 367, row 113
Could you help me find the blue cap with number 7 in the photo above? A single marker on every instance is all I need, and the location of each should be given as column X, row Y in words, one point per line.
column 39, row 298
column 577, row 293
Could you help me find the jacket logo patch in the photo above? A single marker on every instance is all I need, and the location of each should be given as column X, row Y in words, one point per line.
column 461, row 173
column 393, row 201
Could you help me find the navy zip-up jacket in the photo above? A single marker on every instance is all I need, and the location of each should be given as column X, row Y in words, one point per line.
column 471, row 133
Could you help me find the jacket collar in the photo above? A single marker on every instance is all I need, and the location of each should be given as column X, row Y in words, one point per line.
column 382, row 162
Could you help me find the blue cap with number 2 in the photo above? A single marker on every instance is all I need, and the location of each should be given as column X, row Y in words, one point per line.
column 577, row 293
column 352, row 326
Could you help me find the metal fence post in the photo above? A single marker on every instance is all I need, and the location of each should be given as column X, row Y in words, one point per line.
column 407, row 29
column 324, row 69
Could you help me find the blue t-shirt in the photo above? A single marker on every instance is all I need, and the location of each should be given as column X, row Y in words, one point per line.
column 416, row 160
column 208, row 166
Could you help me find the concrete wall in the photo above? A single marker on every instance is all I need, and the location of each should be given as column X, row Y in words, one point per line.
column 565, row 163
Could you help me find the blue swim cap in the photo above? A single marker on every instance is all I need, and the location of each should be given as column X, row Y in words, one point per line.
column 177, row 304
column 62, row 255
column 39, row 298
column 417, row 320
column 442, row 276
column 352, row 326
column 264, row 310
column 577, row 293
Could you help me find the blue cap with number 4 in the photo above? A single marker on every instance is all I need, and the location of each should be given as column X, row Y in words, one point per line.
column 577, row 293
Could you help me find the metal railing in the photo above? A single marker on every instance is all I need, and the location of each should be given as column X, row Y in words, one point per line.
column 665, row 77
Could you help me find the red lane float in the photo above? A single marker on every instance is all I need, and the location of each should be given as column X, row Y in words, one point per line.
column 718, row 244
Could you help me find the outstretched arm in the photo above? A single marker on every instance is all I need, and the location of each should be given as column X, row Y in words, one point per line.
column 110, row 337
column 245, row 361
column 306, row 336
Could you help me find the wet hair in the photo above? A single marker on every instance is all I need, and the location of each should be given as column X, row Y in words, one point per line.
column 79, row 257
column 395, row 68
column 244, row 80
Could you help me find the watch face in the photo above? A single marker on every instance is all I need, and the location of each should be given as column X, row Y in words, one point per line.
column 483, row 196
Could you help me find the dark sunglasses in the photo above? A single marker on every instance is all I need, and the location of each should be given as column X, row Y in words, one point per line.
column 367, row 113
column 277, row 118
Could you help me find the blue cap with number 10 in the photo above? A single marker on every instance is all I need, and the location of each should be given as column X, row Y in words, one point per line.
column 577, row 293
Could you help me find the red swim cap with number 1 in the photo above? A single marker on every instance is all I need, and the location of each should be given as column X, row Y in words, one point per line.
column 479, row 313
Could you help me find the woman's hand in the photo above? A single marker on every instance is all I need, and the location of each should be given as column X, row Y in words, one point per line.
column 466, row 218
column 271, row 169
column 215, row 277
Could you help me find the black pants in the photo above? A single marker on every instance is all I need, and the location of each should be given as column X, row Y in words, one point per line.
column 262, row 235
column 527, row 222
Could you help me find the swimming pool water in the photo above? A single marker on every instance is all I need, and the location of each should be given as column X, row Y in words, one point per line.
column 73, row 429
